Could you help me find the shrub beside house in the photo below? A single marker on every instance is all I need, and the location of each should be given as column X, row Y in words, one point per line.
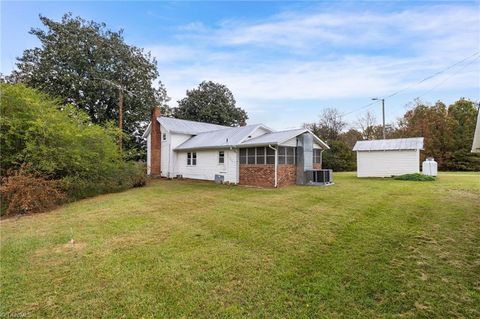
column 44, row 142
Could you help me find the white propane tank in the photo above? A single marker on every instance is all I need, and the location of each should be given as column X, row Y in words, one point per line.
column 429, row 167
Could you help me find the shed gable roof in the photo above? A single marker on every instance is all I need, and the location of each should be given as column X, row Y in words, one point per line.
column 415, row 143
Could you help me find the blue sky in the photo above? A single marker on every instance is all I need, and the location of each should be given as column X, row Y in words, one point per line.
column 286, row 61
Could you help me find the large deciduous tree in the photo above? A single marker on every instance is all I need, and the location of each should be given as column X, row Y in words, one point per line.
column 448, row 132
column 212, row 103
column 86, row 64
column 329, row 126
column 430, row 122
column 462, row 118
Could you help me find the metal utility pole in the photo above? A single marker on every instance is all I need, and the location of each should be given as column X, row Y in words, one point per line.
column 383, row 113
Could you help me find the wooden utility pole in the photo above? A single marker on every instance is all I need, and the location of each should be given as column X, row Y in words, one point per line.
column 121, row 90
column 383, row 116
column 120, row 116
column 383, row 113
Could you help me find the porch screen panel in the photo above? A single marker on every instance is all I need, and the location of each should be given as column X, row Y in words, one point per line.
column 251, row 155
column 243, row 156
column 270, row 155
column 260, row 155
column 290, row 157
column 281, row 154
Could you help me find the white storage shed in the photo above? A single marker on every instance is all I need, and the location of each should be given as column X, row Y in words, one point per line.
column 391, row 157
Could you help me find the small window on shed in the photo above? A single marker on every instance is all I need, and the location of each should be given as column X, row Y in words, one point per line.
column 221, row 157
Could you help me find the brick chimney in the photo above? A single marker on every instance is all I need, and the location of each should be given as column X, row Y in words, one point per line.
column 155, row 143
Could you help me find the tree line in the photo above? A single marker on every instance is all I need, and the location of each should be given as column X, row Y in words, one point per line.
column 448, row 133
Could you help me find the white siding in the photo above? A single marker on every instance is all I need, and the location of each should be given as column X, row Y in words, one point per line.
column 168, row 156
column 207, row 165
column 149, row 150
column 290, row 142
column 258, row 132
column 165, row 156
column 387, row 163
column 293, row 142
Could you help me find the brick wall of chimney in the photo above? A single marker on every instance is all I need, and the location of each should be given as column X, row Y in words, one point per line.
column 155, row 140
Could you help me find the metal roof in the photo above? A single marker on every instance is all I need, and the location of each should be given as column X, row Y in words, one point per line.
column 414, row 143
column 187, row 127
column 238, row 137
column 219, row 138
column 207, row 136
column 274, row 137
column 280, row 137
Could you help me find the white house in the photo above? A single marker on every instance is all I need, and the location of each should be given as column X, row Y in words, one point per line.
column 250, row 155
column 391, row 157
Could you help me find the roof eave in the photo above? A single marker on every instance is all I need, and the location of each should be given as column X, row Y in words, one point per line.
column 202, row 148
column 147, row 130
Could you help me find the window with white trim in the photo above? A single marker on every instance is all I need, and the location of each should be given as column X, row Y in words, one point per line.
column 191, row 159
column 317, row 155
column 221, row 157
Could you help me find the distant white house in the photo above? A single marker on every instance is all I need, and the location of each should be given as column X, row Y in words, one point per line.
column 249, row 155
column 390, row 157
column 476, row 136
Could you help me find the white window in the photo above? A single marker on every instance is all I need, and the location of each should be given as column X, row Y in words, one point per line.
column 221, row 157
column 317, row 155
column 164, row 136
column 191, row 159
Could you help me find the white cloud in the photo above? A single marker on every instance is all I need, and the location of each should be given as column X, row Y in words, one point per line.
column 321, row 56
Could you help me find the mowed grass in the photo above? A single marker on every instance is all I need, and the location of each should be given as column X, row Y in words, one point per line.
column 360, row 248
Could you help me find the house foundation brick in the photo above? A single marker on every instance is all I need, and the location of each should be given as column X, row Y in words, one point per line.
column 264, row 175
column 257, row 175
column 287, row 175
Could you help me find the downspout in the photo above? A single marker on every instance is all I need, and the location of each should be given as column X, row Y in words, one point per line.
column 276, row 164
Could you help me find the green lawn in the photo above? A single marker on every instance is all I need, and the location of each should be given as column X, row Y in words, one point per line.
column 360, row 248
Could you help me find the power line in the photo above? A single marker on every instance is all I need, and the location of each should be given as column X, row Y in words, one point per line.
column 433, row 75
column 448, row 78
column 421, row 81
